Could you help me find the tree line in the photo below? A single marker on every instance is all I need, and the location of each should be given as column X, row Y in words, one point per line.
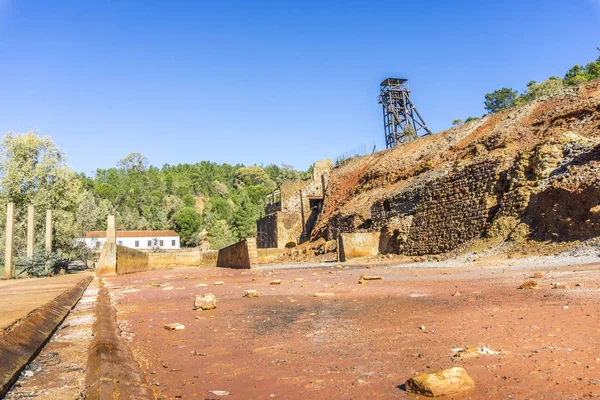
column 202, row 201
column 504, row 98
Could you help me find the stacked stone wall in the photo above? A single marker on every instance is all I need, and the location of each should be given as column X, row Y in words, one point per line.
column 454, row 209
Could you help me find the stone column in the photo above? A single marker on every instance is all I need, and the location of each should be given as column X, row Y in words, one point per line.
column 30, row 231
column 111, row 234
column 8, row 250
column 48, row 231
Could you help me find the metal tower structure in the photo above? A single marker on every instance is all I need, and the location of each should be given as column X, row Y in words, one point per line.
column 401, row 120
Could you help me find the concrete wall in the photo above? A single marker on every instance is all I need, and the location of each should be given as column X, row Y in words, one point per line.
column 183, row 258
column 359, row 244
column 119, row 260
column 266, row 256
column 239, row 255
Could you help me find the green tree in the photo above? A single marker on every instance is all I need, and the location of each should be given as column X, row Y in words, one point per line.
column 469, row 119
column 187, row 225
column 219, row 234
column 33, row 171
column 189, row 200
column 243, row 222
column 457, row 122
column 500, row 100
column 134, row 162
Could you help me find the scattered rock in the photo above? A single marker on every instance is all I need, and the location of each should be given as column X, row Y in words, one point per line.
column 195, row 353
column 440, row 383
column 371, row 277
column 538, row 275
column 324, row 294
column 174, row 327
column 131, row 290
column 560, row 285
column 168, row 288
column 201, row 285
column 219, row 392
column 579, row 284
column 531, row 285
column 275, row 282
column 339, row 266
column 205, row 302
column 456, row 294
column 446, row 273
column 368, row 266
column 299, row 280
column 251, row 293
column 219, row 283
column 422, row 327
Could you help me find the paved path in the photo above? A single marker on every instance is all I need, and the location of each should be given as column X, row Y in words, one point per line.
column 19, row 297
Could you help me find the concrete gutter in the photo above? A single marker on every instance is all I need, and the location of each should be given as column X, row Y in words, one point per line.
column 111, row 371
column 22, row 341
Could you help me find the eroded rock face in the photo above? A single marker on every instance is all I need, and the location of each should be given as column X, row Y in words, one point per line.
column 205, row 302
column 440, row 383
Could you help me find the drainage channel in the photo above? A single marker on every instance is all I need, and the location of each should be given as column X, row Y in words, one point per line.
column 58, row 372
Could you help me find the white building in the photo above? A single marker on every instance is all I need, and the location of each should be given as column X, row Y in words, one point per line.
column 141, row 240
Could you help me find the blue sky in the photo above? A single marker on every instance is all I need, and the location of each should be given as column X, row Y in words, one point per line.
column 265, row 81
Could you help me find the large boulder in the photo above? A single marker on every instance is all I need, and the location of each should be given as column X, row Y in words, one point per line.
column 205, row 302
column 440, row 383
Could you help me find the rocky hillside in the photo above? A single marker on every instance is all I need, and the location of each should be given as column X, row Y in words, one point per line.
column 530, row 173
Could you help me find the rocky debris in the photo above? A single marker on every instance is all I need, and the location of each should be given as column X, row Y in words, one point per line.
column 579, row 284
column 219, row 392
column 205, row 302
column 560, row 285
column 299, row 280
column 201, row 285
column 456, row 294
column 324, row 294
column 275, row 282
column 371, row 277
column 440, row 383
column 174, row 327
column 218, row 283
column 538, row 275
column 251, row 293
column 469, row 352
column 168, row 288
column 529, row 285
column 195, row 353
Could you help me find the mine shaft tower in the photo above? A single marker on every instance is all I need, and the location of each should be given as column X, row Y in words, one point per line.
column 401, row 120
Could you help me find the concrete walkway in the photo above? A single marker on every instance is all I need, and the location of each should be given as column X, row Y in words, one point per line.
column 21, row 296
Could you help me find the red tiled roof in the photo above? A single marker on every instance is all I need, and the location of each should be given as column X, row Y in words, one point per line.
column 124, row 234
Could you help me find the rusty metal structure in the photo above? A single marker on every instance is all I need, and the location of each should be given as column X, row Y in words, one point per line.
column 401, row 120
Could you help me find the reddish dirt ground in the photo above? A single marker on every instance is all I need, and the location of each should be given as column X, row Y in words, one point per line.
column 366, row 341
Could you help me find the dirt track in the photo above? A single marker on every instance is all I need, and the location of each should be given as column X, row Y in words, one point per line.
column 366, row 340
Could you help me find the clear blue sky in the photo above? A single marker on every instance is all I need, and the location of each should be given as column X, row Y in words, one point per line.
column 269, row 81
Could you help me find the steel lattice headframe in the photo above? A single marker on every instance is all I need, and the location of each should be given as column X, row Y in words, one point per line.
column 401, row 120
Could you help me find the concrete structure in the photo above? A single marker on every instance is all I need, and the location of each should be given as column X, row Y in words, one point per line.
column 48, row 231
column 10, row 241
column 358, row 244
column 116, row 259
column 139, row 240
column 292, row 211
column 239, row 255
column 30, row 231
column 183, row 258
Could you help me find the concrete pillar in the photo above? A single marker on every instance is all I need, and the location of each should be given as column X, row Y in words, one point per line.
column 48, row 231
column 9, row 249
column 111, row 234
column 30, row 231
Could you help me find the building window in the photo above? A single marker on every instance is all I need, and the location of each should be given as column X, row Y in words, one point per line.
column 149, row 243
column 172, row 243
column 137, row 243
column 161, row 243
column 120, row 243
